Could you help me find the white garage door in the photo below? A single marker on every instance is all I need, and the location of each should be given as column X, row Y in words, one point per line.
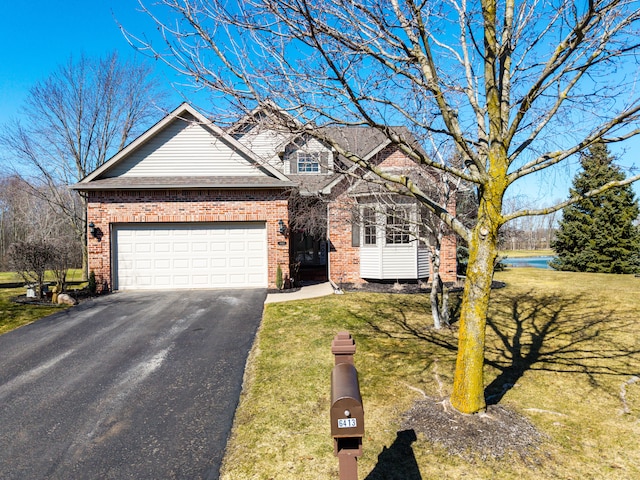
column 173, row 256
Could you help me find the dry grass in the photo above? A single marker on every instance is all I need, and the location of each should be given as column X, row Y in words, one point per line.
column 74, row 275
column 562, row 352
column 14, row 315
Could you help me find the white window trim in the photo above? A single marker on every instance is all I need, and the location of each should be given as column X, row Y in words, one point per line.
column 314, row 159
column 401, row 232
column 380, row 215
column 376, row 225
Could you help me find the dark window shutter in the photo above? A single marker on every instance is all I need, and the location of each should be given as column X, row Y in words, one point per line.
column 355, row 234
column 324, row 162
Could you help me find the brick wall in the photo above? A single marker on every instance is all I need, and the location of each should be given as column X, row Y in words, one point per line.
column 391, row 157
column 177, row 206
column 344, row 259
column 448, row 264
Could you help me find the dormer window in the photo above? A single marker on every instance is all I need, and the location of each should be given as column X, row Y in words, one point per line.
column 308, row 162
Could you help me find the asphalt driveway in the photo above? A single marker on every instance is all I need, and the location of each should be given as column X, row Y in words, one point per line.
column 131, row 385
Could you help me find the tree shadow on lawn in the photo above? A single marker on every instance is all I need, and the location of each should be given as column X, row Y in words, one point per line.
column 529, row 331
column 564, row 334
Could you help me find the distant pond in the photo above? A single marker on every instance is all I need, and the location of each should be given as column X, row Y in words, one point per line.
column 535, row 262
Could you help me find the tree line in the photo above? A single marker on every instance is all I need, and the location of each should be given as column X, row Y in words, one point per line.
column 72, row 121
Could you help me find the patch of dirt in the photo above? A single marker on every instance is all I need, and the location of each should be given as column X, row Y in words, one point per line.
column 284, row 290
column 394, row 287
column 493, row 434
column 78, row 295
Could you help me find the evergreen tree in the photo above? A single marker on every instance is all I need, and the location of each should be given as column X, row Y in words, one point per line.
column 598, row 233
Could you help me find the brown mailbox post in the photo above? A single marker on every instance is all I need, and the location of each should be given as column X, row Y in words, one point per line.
column 347, row 413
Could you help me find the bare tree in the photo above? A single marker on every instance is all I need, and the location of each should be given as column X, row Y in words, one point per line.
column 35, row 235
column 13, row 225
column 513, row 88
column 76, row 118
column 529, row 232
column 31, row 258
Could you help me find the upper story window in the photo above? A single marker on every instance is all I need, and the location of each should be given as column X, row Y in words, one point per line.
column 308, row 162
column 398, row 229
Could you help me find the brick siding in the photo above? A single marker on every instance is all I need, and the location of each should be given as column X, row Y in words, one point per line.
column 179, row 206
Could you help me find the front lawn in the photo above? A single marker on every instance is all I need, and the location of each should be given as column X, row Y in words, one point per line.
column 9, row 277
column 14, row 315
column 563, row 351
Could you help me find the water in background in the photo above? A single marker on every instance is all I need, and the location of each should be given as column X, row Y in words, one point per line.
column 535, row 262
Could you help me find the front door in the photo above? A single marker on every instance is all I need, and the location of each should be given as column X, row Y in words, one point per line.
column 308, row 257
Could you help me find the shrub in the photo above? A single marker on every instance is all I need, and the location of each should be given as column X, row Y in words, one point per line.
column 279, row 280
column 92, row 286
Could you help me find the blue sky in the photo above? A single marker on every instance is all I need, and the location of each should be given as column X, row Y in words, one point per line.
column 39, row 35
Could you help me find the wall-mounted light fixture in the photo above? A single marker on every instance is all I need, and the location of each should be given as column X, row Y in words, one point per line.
column 282, row 228
column 93, row 230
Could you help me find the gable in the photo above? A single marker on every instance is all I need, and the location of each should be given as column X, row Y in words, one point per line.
column 185, row 147
column 264, row 143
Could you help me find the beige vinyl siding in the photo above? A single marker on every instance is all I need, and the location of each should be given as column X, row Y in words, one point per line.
column 393, row 262
column 263, row 143
column 185, row 148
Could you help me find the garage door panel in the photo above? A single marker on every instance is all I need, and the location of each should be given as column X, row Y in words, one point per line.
column 200, row 263
column 213, row 255
column 181, row 280
column 143, row 280
column 143, row 247
column 126, row 248
column 254, row 262
column 201, row 280
column 237, row 262
column 162, row 247
column 218, row 246
column 237, row 280
column 143, row 264
column 179, row 247
column 179, row 263
column 199, row 247
column 161, row 263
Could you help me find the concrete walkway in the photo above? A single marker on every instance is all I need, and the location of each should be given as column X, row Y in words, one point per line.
column 309, row 291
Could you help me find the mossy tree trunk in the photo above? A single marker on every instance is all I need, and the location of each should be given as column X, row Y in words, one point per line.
column 468, row 382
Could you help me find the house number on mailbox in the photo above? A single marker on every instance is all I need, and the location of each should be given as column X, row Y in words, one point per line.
column 347, row 423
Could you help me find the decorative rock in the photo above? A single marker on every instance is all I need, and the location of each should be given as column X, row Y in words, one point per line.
column 66, row 299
